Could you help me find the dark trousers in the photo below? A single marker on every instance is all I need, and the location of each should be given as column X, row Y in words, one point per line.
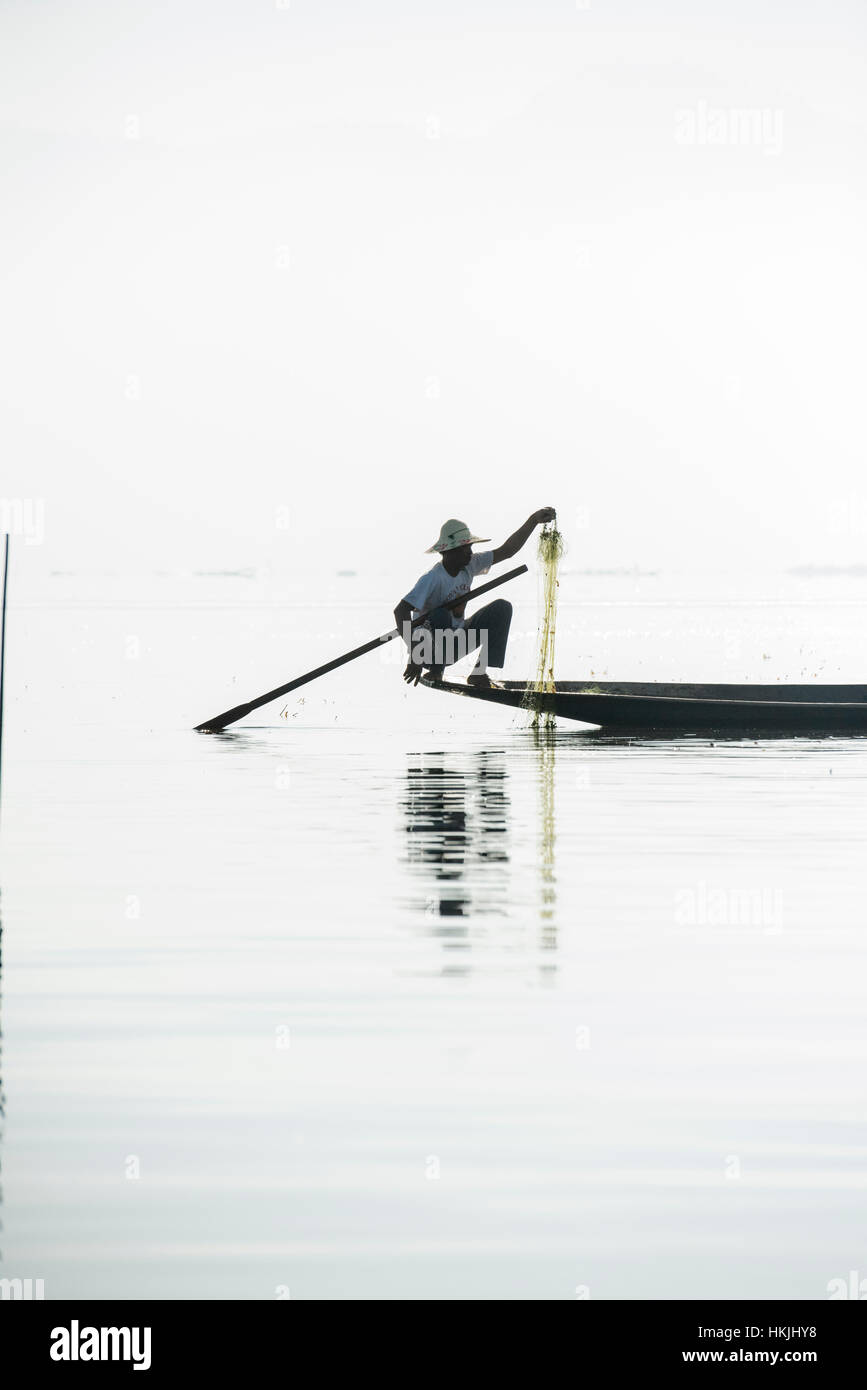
column 487, row 629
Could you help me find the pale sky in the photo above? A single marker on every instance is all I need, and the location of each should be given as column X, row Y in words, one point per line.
column 291, row 283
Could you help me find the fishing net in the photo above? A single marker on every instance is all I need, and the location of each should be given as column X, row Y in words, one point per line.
column 550, row 552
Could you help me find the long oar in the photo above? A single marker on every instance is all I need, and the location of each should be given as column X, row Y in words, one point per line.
column 231, row 716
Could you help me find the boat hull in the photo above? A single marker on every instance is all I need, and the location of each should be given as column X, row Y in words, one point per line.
column 691, row 708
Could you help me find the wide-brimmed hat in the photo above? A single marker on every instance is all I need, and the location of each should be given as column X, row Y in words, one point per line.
column 453, row 534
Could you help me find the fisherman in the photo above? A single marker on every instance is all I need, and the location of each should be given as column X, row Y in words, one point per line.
column 445, row 638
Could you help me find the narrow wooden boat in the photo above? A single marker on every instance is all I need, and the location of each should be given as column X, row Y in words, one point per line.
column 814, row 709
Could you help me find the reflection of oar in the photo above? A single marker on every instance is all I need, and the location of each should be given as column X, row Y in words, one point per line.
column 220, row 721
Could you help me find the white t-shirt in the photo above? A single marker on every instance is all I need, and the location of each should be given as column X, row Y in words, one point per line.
column 438, row 586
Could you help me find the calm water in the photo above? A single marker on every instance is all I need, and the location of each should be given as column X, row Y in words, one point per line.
column 390, row 997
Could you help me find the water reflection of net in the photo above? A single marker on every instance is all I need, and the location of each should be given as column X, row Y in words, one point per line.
column 550, row 551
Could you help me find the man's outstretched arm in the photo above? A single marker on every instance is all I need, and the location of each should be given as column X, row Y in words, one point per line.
column 519, row 539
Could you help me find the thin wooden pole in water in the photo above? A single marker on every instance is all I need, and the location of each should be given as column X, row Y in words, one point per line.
column 231, row 716
column 3, row 646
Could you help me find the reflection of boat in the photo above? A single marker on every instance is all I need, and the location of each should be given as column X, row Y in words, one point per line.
column 658, row 705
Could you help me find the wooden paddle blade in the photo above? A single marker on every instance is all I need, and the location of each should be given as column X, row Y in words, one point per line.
column 219, row 721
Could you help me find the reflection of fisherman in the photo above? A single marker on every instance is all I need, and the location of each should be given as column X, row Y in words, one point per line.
column 436, row 807
column 456, row 811
column 445, row 639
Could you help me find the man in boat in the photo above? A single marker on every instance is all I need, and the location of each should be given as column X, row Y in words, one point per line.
column 445, row 638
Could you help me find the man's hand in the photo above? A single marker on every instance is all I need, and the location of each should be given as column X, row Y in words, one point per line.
column 515, row 542
column 412, row 674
